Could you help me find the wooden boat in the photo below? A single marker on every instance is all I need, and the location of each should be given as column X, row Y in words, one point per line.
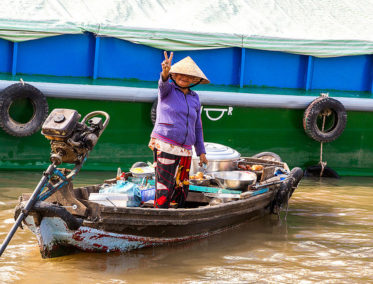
column 68, row 221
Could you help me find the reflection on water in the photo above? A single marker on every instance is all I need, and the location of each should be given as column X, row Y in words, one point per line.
column 327, row 238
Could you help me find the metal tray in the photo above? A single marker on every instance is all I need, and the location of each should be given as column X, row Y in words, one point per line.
column 200, row 182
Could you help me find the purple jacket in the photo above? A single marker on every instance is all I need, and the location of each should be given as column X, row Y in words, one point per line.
column 178, row 117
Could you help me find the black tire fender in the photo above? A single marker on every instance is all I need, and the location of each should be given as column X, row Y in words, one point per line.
column 268, row 156
column 153, row 112
column 295, row 175
column 315, row 109
column 314, row 171
column 52, row 210
column 286, row 189
column 40, row 108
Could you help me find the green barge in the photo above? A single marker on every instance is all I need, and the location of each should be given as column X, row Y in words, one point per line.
column 262, row 83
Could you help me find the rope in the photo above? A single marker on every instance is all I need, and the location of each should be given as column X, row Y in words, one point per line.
column 324, row 115
column 287, row 204
column 323, row 164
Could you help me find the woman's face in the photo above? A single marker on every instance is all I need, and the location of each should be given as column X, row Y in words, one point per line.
column 185, row 80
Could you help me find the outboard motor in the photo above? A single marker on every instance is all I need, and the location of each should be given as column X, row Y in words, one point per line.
column 71, row 141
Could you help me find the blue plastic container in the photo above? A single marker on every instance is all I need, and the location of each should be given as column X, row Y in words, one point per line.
column 125, row 187
column 147, row 194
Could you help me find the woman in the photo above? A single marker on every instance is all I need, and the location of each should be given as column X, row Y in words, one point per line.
column 178, row 127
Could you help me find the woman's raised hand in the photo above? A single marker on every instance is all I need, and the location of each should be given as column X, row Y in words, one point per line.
column 166, row 65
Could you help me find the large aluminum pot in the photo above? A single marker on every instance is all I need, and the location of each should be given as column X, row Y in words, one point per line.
column 220, row 157
column 235, row 179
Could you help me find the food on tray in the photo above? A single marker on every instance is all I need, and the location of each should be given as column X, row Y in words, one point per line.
column 245, row 167
column 257, row 167
column 199, row 175
column 242, row 167
column 142, row 171
column 137, row 170
column 200, row 179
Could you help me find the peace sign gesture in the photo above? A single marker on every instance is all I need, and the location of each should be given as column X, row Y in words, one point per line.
column 166, row 65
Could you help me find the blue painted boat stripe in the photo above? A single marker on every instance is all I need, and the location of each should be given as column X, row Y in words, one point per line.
column 371, row 72
column 260, row 191
column 97, row 52
column 309, row 75
column 242, row 73
column 15, row 57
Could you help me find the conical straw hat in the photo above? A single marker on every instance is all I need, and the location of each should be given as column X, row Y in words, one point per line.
column 187, row 66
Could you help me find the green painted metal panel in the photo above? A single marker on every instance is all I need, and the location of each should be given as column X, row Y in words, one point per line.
column 248, row 130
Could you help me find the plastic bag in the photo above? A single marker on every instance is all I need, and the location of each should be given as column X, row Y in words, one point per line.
column 124, row 187
column 147, row 194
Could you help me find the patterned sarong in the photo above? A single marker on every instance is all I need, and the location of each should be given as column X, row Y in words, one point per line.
column 172, row 179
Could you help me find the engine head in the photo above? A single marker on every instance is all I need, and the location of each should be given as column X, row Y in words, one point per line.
column 60, row 124
column 70, row 139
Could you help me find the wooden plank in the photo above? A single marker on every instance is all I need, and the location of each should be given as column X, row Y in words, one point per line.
column 65, row 196
column 197, row 197
column 268, row 172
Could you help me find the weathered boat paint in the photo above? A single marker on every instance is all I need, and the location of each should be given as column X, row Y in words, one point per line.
column 55, row 238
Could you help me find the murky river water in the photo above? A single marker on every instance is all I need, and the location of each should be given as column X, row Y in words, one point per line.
column 327, row 238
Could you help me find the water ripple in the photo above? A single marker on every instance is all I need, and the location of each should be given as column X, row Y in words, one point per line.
column 327, row 238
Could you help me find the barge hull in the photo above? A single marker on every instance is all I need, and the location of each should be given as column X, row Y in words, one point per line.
column 248, row 130
column 242, row 73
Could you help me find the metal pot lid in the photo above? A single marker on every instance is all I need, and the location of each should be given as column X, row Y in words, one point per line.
column 215, row 151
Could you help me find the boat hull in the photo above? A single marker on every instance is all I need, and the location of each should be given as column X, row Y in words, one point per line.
column 62, row 228
column 56, row 239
